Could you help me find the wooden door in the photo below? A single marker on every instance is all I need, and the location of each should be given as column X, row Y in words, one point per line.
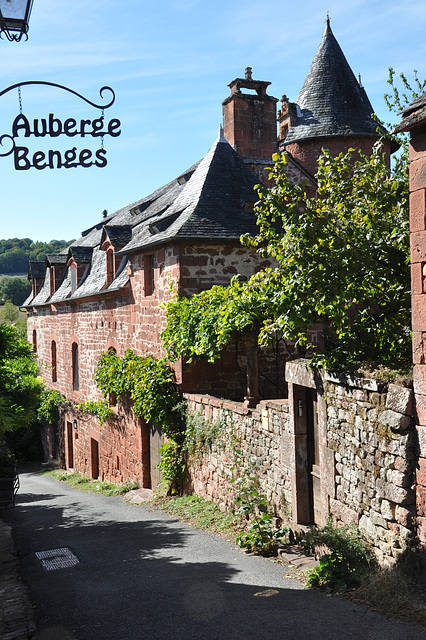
column 94, row 450
column 313, row 454
column 156, row 439
column 70, row 446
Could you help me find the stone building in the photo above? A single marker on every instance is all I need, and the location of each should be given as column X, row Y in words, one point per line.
column 105, row 291
column 414, row 122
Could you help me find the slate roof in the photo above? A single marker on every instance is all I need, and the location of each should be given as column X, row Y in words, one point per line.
column 55, row 258
column 413, row 114
column 331, row 102
column 210, row 202
column 36, row 269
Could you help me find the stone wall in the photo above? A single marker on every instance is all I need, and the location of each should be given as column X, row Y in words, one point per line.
column 370, row 433
column 367, row 455
column 259, row 435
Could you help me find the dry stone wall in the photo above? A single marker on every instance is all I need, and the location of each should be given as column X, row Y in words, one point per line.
column 368, row 457
column 371, row 434
column 249, row 442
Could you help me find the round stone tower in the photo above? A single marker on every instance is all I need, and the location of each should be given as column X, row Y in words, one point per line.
column 332, row 110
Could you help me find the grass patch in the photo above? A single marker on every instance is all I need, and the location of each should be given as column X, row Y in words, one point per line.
column 200, row 513
column 85, row 483
column 394, row 594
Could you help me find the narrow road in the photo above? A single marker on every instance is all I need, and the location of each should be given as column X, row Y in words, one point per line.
column 139, row 574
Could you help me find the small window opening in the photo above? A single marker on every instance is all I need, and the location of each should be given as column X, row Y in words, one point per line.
column 54, row 370
column 75, row 367
column 149, row 274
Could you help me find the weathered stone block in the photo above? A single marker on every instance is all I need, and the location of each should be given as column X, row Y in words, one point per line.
column 421, row 500
column 421, row 529
column 421, row 472
column 343, row 513
column 400, row 399
column 399, row 495
column 395, row 421
column 387, row 510
column 421, row 435
column 405, row 515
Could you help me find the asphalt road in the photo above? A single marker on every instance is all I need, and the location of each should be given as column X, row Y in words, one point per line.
column 142, row 575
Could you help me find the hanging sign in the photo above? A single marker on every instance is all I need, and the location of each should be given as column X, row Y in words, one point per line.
column 50, row 126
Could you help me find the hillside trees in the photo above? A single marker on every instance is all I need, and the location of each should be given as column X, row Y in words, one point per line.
column 14, row 290
column 15, row 253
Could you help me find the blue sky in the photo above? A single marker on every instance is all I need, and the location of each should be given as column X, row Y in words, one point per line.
column 169, row 63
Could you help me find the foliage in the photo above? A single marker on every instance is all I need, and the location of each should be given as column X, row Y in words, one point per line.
column 200, row 326
column 201, row 433
column 347, row 562
column 50, row 400
column 7, row 462
column 342, row 258
column 259, row 536
column 20, row 387
column 172, row 466
column 199, row 512
column 14, row 290
column 99, row 408
column 150, row 384
column 15, row 253
column 85, row 483
column 152, row 387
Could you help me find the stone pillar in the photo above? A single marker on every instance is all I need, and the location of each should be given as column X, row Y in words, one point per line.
column 414, row 121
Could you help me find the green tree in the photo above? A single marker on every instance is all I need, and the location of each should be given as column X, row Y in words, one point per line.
column 9, row 313
column 14, row 290
column 20, row 386
column 341, row 259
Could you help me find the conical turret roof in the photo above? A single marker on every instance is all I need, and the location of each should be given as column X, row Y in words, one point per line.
column 331, row 102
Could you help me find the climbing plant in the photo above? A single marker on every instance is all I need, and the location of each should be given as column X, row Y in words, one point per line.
column 341, row 259
column 48, row 410
column 150, row 384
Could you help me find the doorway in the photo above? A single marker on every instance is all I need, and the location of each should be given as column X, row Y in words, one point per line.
column 94, row 454
column 70, row 446
column 156, row 439
column 313, row 454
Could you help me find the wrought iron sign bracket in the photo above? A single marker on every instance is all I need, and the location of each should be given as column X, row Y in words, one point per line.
column 54, row 127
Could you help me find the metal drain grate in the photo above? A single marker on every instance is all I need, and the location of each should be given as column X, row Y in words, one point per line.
column 61, row 558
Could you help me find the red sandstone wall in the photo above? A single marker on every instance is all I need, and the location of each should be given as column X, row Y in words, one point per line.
column 418, row 290
column 308, row 152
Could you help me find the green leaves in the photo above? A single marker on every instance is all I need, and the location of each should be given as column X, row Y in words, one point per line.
column 150, row 384
column 342, row 259
column 20, row 385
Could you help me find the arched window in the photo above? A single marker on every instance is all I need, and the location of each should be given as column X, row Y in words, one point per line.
column 54, row 371
column 109, row 266
column 75, row 365
column 35, row 341
column 112, row 400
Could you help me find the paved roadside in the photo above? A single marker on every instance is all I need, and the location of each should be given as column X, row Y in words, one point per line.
column 16, row 612
column 115, row 571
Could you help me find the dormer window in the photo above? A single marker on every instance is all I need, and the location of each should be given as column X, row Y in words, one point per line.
column 110, row 266
column 73, row 274
column 36, row 273
column 79, row 261
column 113, row 239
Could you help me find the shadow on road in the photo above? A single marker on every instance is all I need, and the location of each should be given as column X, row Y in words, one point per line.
column 144, row 575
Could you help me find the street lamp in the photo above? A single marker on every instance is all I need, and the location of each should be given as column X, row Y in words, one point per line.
column 14, row 18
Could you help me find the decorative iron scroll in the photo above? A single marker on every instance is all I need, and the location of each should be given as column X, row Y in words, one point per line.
column 54, row 127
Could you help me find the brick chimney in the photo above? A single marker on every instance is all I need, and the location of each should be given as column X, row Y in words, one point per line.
column 250, row 119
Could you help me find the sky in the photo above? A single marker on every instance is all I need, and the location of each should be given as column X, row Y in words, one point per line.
column 169, row 64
